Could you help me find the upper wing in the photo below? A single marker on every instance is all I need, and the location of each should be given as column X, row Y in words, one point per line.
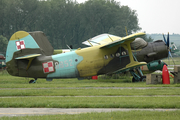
column 101, row 39
column 124, row 40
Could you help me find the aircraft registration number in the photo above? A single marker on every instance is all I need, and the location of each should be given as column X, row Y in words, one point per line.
column 62, row 64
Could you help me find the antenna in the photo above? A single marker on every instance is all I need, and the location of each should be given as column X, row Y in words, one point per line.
column 69, row 47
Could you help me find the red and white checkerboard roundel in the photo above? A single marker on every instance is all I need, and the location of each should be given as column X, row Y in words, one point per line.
column 48, row 67
column 20, row 45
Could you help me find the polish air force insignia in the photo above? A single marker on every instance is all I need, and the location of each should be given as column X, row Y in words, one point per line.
column 48, row 67
column 20, row 45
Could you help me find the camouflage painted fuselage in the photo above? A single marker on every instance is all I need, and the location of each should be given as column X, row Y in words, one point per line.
column 30, row 60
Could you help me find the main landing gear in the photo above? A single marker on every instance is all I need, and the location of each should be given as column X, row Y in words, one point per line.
column 33, row 81
column 136, row 77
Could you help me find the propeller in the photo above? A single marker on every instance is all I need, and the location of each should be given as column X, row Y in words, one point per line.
column 169, row 48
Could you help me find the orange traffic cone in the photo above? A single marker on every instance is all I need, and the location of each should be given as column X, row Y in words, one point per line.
column 165, row 75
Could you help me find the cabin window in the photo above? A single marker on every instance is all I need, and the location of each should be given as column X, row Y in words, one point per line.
column 123, row 53
column 112, row 55
column 117, row 54
column 106, row 57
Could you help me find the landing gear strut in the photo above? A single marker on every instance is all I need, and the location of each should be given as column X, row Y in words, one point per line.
column 33, row 81
column 136, row 77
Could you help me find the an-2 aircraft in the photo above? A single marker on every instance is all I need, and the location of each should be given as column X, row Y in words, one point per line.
column 29, row 54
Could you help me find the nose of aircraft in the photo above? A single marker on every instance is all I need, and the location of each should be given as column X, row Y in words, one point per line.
column 157, row 50
column 161, row 49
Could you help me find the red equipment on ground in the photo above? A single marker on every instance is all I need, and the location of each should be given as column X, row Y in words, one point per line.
column 95, row 77
column 165, row 75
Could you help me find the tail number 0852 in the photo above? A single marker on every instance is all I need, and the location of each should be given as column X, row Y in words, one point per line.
column 62, row 64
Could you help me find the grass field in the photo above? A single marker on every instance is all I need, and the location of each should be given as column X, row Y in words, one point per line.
column 71, row 93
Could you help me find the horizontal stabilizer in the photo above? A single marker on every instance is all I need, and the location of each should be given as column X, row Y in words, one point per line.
column 28, row 56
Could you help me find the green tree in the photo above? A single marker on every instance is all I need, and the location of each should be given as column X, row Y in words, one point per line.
column 125, row 18
column 99, row 16
column 147, row 38
column 3, row 44
column 3, row 8
column 66, row 21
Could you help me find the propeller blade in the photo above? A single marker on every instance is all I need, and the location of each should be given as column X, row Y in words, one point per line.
column 168, row 39
column 171, row 57
column 164, row 39
column 170, row 54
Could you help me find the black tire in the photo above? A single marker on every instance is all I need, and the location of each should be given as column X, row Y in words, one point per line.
column 31, row 81
column 143, row 77
column 133, row 79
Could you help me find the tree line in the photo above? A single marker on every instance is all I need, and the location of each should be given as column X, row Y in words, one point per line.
column 66, row 21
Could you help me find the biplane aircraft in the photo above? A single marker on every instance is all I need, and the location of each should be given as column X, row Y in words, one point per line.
column 29, row 54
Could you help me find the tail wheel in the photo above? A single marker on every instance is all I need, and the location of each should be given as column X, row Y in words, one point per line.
column 32, row 81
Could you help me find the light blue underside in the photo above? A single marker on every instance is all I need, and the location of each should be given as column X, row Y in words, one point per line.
column 11, row 48
column 67, row 67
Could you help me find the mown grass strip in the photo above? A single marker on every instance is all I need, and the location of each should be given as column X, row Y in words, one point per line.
column 7, row 81
column 89, row 92
column 129, row 115
column 91, row 102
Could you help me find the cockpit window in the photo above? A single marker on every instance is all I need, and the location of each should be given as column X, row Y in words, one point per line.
column 138, row 43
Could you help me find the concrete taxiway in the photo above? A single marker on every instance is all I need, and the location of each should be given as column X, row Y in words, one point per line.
column 60, row 111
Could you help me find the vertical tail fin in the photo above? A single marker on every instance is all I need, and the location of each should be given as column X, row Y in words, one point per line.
column 23, row 44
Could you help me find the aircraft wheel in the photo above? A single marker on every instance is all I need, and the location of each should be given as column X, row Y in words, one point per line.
column 142, row 78
column 133, row 79
column 32, row 81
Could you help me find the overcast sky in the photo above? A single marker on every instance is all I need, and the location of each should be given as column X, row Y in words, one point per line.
column 155, row 16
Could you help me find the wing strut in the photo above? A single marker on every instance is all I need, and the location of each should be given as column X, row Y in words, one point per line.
column 132, row 62
column 29, row 63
